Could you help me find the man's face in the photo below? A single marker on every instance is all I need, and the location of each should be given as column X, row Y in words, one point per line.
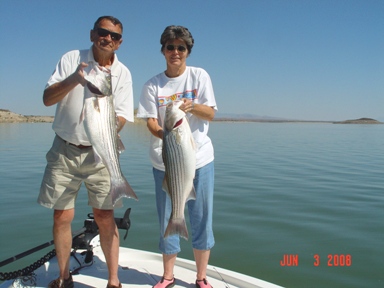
column 107, row 37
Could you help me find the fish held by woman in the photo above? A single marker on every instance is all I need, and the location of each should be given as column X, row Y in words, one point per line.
column 179, row 156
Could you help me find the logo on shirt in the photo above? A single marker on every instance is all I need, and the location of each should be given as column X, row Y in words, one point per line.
column 164, row 100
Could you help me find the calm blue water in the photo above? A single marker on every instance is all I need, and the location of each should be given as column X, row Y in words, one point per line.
column 312, row 191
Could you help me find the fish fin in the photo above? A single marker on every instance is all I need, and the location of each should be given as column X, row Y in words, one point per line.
column 176, row 226
column 120, row 145
column 82, row 115
column 192, row 194
column 179, row 138
column 98, row 159
column 165, row 185
column 120, row 189
column 96, row 105
column 193, row 143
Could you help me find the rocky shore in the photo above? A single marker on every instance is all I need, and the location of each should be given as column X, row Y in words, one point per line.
column 7, row 116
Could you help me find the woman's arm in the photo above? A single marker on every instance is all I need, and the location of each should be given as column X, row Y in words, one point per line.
column 154, row 127
column 199, row 110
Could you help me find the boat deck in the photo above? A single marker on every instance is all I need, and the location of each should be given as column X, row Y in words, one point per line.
column 140, row 269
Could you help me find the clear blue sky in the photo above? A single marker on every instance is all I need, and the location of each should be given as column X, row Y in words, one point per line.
column 308, row 60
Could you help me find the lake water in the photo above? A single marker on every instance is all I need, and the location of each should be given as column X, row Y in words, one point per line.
column 312, row 194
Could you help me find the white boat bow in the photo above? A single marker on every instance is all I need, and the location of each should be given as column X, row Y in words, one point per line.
column 137, row 268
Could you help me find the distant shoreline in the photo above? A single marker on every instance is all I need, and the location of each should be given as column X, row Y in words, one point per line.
column 354, row 121
column 359, row 121
column 7, row 116
column 225, row 119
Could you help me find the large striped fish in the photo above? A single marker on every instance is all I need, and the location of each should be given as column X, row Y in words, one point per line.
column 179, row 158
column 100, row 126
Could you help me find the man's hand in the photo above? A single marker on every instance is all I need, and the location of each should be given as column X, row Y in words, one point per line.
column 56, row 92
column 79, row 73
column 120, row 122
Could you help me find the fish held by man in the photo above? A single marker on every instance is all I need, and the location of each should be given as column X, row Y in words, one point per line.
column 179, row 156
column 100, row 126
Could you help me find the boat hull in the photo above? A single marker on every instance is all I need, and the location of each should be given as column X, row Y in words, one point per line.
column 137, row 268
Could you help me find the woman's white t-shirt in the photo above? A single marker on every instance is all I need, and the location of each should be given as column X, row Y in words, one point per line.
column 194, row 84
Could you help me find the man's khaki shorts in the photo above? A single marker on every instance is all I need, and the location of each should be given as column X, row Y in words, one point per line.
column 67, row 168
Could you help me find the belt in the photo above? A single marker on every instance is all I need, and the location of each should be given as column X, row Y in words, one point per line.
column 78, row 146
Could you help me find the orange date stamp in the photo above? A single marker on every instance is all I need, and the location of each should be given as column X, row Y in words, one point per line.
column 331, row 260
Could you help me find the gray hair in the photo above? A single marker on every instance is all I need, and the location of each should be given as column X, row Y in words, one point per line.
column 177, row 32
column 114, row 21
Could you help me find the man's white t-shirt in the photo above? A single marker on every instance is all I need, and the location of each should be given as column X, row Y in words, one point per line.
column 194, row 84
column 67, row 123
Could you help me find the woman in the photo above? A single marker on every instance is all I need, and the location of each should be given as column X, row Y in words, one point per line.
column 193, row 86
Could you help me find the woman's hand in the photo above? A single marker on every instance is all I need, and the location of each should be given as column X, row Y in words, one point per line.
column 187, row 106
column 199, row 110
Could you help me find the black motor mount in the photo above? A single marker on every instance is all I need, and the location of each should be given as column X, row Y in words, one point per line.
column 91, row 230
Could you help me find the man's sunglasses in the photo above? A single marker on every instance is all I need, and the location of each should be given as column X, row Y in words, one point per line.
column 104, row 33
column 179, row 48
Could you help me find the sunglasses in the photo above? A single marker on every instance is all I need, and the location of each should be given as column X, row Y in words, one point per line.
column 104, row 33
column 179, row 48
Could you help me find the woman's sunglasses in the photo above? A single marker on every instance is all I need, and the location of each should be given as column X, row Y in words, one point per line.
column 179, row 48
column 104, row 33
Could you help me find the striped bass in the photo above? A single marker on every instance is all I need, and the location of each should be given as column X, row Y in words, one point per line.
column 179, row 158
column 100, row 126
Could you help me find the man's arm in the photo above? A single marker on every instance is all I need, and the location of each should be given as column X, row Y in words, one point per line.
column 120, row 123
column 56, row 92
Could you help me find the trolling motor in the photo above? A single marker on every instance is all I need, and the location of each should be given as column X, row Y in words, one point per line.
column 91, row 230
column 81, row 240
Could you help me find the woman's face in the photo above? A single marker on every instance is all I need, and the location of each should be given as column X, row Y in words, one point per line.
column 176, row 53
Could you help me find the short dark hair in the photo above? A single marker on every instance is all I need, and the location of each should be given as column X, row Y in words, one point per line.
column 114, row 20
column 177, row 32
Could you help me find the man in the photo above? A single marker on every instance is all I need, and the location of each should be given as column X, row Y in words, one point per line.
column 70, row 161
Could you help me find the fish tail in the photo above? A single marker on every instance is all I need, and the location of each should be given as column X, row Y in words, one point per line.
column 192, row 194
column 121, row 189
column 176, row 226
